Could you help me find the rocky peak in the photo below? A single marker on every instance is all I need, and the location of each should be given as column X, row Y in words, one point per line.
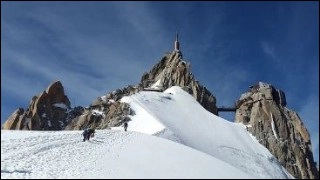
column 172, row 70
column 278, row 128
column 56, row 94
column 47, row 111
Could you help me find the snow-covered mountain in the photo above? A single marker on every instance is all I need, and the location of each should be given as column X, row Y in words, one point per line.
column 170, row 135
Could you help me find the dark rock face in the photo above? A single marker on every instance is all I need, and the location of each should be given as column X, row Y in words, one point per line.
column 278, row 128
column 101, row 116
column 47, row 111
column 16, row 120
column 105, row 112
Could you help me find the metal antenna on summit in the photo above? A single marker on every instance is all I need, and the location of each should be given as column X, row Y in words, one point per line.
column 176, row 43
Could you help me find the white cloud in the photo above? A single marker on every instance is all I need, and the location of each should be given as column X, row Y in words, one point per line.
column 269, row 50
column 101, row 64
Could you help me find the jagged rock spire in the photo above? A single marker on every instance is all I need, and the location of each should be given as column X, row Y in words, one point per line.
column 46, row 111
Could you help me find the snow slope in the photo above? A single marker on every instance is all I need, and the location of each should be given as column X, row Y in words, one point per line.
column 200, row 145
column 184, row 119
column 110, row 154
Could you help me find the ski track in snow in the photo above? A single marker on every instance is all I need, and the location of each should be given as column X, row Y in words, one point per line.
column 55, row 165
column 235, row 153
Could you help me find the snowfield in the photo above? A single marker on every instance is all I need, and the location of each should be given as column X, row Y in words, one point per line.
column 170, row 136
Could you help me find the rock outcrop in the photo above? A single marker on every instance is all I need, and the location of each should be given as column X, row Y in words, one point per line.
column 101, row 116
column 172, row 70
column 263, row 109
column 47, row 111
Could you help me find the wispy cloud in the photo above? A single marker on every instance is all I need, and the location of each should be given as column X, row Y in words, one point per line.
column 88, row 65
column 269, row 50
column 143, row 21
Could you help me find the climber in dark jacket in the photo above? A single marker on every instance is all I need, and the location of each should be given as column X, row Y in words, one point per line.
column 87, row 133
column 125, row 125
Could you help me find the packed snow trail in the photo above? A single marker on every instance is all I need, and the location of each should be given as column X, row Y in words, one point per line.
column 36, row 154
column 110, row 154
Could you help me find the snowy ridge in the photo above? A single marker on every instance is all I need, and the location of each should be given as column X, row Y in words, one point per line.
column 197, row 128
column 170, row 136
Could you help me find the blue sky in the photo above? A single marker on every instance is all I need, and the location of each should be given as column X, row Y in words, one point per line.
column 97, row 47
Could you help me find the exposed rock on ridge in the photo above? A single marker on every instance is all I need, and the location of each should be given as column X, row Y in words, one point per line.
column 278, row 128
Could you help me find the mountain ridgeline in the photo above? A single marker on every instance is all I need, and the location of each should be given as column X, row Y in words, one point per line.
column 50, row 110
column 262, row 109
